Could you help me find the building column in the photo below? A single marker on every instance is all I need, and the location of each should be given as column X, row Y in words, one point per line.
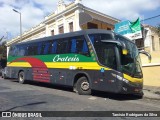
column 76, row 23
column 56, row 28
column 65, row 25
column 47, row 31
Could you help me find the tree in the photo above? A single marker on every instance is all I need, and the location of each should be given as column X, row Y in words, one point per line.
column 3, row 50
column 3, row 54
column 1, row 38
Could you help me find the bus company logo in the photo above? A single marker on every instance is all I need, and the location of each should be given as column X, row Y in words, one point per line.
column 6, row 114
column 58, row 58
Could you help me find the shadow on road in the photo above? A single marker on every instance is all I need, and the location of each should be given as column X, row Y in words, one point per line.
column 120, row 97
column 48, row 85
column 29, row 104
column 114, row 96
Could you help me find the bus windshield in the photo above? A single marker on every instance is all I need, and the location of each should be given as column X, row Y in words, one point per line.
column 130, row 63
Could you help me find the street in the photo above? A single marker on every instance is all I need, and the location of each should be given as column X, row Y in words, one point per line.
column 43, row 97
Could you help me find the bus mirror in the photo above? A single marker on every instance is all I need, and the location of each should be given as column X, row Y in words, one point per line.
column 112, row 41
column 124, row 51
column 147, row 54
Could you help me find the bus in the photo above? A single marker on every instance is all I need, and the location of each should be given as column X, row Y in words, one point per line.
column 85, row 60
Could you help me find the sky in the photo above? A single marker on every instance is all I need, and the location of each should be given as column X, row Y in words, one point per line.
column 34, row 11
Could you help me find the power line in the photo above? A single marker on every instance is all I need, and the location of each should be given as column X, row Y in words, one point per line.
column 151, row 18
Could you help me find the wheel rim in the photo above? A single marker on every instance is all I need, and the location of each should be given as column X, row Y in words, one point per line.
column 21, row 77
column 85, row 86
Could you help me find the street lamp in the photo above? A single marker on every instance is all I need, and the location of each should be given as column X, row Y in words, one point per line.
column 20, row 23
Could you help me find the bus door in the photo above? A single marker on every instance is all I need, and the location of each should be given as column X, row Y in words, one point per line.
column 107, row 56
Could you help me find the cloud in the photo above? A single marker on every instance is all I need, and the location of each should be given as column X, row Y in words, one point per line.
column 34, row 11
column 123, row 9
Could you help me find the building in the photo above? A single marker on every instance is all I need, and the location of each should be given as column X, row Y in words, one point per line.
column 150, row 43
column 151, row 39
column 67, row 18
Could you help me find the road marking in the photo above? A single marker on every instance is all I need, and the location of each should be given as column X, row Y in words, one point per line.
column 92, row 98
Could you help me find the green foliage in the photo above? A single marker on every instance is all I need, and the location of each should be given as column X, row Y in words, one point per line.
column 3, row 51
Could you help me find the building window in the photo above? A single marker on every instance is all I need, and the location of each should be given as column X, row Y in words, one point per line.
column 153, row 43
column 52, row 32
column 61, row 29
column 139, row 43
column 108, row 28
column 92, row 26
column 71, row 27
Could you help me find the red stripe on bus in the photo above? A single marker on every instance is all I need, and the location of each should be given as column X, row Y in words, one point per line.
column 38, row 66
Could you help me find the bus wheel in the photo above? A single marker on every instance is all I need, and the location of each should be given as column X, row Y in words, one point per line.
column 82, row 86
column 21, row 77
column 139, row 96
column 4, row 76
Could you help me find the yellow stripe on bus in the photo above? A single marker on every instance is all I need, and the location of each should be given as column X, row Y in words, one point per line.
column 65, row 65
column 137, row 80
column 74, row 65
column 18, row 64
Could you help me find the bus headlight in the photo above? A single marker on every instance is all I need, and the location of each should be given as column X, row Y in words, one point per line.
column 126, row 81
column 122, row 79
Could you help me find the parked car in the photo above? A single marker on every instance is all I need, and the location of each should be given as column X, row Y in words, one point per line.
column 4, row 73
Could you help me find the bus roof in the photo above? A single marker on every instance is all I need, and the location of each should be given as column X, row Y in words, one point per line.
column 65, row 35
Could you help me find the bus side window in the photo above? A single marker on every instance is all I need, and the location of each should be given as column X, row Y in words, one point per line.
column 62, row 47
column 42, row 48
column 39, row 48
column 109, row 57
column 85, row 48
column 29, row 50
column 15, row 51
column 33, row 49
column 46, row 48
column 50, row 47
column 73, row 46
column 22, row 50
column 81, row 47
column 54, row 47
column 11, row 51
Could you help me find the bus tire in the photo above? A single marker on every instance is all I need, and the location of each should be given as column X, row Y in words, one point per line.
column 139, row 96
column 21, row 77
column 82, row 86
column 4, row 76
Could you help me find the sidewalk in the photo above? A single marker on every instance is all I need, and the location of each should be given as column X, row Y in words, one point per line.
column 151, row 92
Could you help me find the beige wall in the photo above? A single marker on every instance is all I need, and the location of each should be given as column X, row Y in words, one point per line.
column 151, row 76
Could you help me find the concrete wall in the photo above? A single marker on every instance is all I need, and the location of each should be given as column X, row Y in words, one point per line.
column 151, row 71
column 151, row 76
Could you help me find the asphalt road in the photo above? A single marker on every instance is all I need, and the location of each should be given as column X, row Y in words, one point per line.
column 43, row 97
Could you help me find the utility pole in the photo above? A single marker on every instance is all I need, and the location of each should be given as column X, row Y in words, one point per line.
column 20, row 23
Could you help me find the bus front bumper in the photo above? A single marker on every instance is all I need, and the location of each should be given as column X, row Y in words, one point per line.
column 132, row 88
